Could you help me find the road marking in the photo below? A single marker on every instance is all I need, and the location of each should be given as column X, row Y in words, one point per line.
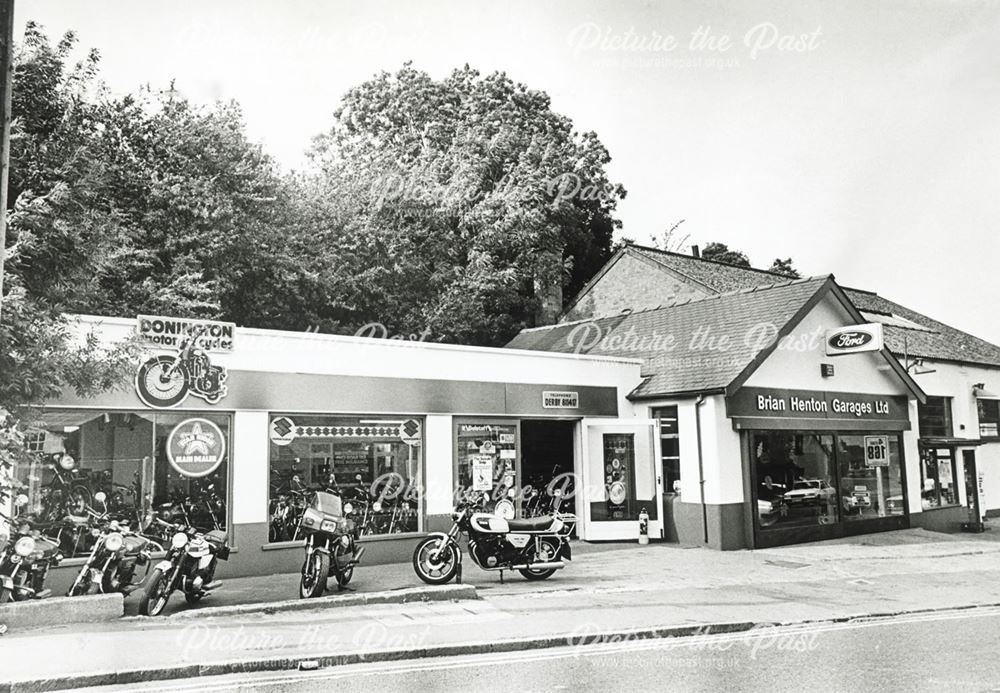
column 571, row 651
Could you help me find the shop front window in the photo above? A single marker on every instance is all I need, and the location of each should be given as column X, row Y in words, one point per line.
column 871, row 481
column 127, row 466
column 487, row 456
column 937, row 477
column 375, row 463
column 795, row 479
column 670, row 447
column 619, row 501
column 934, row 418
column 989, row 418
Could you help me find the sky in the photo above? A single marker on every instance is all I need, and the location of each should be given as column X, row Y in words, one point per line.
column 862, row 139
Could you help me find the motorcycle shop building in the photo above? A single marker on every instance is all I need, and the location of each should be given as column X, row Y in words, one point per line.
column 765, row 437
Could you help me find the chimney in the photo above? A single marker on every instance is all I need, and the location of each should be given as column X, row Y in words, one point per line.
column 548, row 288
column 695, row 251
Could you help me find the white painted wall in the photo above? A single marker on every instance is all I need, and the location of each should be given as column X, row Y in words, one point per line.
column 250, row 467
column 303, row 352
column 797, row 364
column 438, row 463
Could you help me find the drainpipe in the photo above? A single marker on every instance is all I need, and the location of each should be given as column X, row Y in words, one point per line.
column 701, row 465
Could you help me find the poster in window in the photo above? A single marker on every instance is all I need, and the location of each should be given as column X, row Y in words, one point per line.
column 876, row 451
column 619, row 461
column 482, row 472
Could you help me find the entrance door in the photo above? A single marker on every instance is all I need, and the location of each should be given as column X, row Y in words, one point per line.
column 619, row 478
column 973, row 485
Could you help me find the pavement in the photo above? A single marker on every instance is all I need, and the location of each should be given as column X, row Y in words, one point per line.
column 606, row 592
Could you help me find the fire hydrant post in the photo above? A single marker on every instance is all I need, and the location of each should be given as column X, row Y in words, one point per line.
column 643, row 526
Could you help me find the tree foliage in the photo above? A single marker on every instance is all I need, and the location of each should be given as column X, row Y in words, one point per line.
column 785, row 267
column 720, row 252
column 450, row 205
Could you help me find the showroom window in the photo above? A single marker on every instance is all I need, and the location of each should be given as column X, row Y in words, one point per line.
column 172, row 465
column 486, row 454
column 670, row 447
column 937, row 477
column 796, row 479
column 871, row 481
column 374, row 462
column 934, row 417
column 989, row 417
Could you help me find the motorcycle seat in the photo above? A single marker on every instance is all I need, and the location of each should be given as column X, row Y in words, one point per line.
column 534, row 524
column 217, row 536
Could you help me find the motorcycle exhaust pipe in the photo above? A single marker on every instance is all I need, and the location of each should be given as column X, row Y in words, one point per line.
column 549, row 565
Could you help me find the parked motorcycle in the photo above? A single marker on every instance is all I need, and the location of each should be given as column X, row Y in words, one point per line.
column 25, row 559
column 331, row 551
column 189, row 566
column 534, row 547
column 116, row 554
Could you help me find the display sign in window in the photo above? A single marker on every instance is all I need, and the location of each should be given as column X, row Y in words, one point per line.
column 132, row 466
column 375, row 463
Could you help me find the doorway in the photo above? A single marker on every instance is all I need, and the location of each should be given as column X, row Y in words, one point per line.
column 546, row 455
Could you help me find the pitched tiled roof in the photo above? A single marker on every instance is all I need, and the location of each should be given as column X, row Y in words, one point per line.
column 715, row 276
column 936, row 340
column 688, row 366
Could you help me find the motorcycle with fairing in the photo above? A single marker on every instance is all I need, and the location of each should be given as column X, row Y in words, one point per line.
column 331, row 550
column 189, row 566
column 535, row 547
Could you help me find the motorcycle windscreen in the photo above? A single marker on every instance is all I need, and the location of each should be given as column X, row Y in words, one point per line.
column 328, row 504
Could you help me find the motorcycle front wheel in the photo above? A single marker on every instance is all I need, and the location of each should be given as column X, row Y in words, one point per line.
column 314, row 574
column 547, row 552
column 435, row 570
column 6, row 595
column 81, row 585
column 155, row 595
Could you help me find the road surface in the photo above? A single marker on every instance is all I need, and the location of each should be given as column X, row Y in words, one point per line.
column 948, row 651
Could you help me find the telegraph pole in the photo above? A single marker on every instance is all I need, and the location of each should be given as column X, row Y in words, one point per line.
column 6, row 79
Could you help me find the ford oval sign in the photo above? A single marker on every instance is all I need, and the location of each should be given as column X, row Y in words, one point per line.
column 854, row 339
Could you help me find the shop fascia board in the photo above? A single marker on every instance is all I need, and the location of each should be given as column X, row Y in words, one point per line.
column 828, row 287
column 129, row 323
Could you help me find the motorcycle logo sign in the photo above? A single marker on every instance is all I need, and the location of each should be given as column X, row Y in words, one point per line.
column 163, row 382
column 196, row 447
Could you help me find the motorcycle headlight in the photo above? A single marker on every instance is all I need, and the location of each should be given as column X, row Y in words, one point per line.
column 328, row 526
column 376, row 506
column 179, row 541
column 24, row 547
column 345, row 541
column 114, row 541
column 95, row 532
column 348, row 508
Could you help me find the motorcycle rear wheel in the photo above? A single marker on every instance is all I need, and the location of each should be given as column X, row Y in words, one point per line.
column 548, row 552
column 435, row 572
column 314, row 575
column 154, row 596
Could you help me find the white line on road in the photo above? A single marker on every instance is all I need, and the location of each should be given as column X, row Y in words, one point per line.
column 570, row 651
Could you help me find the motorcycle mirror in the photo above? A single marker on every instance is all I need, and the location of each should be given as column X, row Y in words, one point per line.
column 21, row 500
column 100, row 497
column 358, row 477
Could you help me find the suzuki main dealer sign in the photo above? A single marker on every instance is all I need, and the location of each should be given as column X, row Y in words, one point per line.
column 854, row 339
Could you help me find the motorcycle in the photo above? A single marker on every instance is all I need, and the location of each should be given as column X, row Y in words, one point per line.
column 189, row 566
column 25, row 559
column 331, row 550
column 534, row 547
column 165, row 381
column 114, row 558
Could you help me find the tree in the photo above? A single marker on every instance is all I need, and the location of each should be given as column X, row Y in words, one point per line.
column 671, row 240
column 784, row 267
column 720, row 252
column 56, row 241
column 458, row 206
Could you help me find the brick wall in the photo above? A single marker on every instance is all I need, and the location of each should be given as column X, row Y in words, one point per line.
column 631, row 283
